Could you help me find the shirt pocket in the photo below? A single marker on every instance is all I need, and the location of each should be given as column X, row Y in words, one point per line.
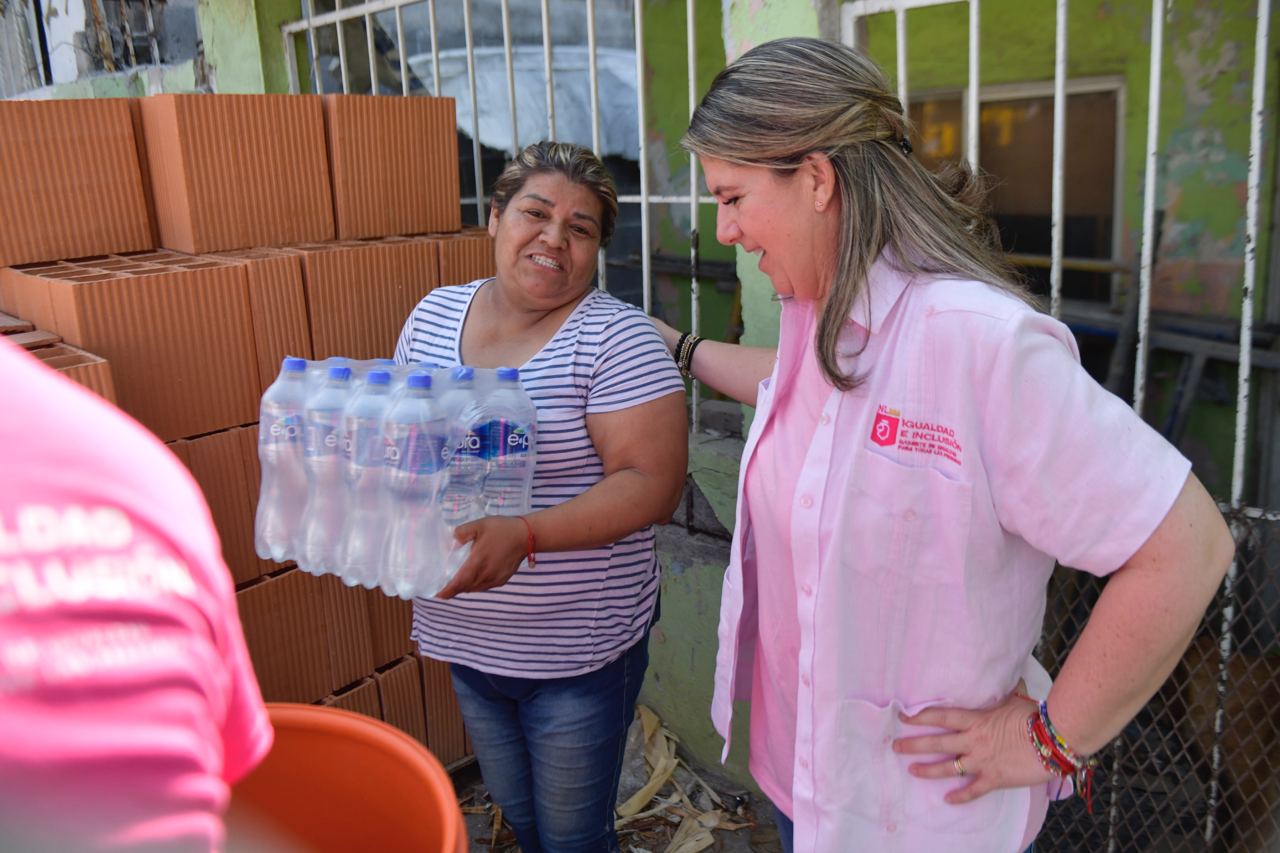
column 906, row 522
column 903, row 556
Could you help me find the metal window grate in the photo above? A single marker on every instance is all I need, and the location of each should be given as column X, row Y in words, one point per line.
column 1199, row 768
column 332, row 25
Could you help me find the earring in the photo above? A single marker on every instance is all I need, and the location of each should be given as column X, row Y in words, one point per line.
column 818, row 205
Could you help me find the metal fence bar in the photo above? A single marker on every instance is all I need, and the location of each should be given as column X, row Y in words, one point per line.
column 511, row 76
column 972, row 118
column 373, row 65
column 402, row 52
column 475, row 109
column 316, row 86
column 1256, row 120
column 152, row 42
column 342, row 58
column 695, row 308
column 359, row 10
column 1149, row 204
column 1059, row 142
column 291, row 63
column 435, row 49
column 642, row 122
column 546, row 58
column 593, row 72
column 862, row 8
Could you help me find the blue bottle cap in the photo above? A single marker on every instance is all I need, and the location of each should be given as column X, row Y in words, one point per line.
column 463, row 374
column 378, row 377
column 295, row 365
column 508, row 374
column 342, row 373
column 419, row 380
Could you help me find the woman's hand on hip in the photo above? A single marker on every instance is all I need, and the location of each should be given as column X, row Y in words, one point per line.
column 498, row 545
column 988, row 748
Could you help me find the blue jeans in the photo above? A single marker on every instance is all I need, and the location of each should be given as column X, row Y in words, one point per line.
column 550, row 750
column 787, row 832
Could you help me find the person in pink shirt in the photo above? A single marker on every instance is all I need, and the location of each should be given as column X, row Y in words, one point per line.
column 925, row 446
column 128, row 704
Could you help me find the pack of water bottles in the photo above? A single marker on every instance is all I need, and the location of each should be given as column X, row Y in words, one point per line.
column 368, row 466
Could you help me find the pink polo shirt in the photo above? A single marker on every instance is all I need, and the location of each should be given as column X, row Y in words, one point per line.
column 128, row 703
column 927, row 514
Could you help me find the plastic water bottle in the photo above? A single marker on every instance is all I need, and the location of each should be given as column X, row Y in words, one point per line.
column 322, row 520
column 468, row 461
column 512, row 433
column 361, row 541
column 284, row 480
column 415, row 433
column 461, row 499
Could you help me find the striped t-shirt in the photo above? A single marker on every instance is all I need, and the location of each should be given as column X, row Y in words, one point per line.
column 575, row 611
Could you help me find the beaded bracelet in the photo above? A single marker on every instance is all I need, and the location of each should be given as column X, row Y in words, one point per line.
column 683, row 353
column 1057, row 757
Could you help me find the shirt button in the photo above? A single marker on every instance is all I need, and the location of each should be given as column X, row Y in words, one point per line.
column 825, row 419
column 806, row 589
column 806, row 502
column 804, row 679
column 804, row 762
column 909, row 515
column 890, row 827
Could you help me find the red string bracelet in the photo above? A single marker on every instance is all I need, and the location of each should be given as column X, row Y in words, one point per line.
column 528, row 527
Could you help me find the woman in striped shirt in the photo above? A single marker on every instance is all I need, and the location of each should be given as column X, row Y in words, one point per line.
column 548, row 661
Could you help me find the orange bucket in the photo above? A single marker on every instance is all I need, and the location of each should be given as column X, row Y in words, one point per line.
column 339, row 781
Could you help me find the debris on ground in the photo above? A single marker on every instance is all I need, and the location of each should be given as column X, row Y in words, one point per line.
column 665, row 806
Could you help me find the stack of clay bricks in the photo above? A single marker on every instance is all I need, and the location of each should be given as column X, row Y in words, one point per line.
column 169, row 252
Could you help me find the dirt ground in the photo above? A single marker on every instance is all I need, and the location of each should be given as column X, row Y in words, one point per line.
column 647, row 835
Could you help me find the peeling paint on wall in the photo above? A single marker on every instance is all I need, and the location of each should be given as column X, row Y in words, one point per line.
column 1205, row 101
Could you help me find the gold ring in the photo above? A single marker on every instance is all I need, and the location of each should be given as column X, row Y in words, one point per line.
column 959, row 766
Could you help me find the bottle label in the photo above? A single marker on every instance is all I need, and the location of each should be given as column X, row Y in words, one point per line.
column 418, row 451
column 287, row 429
column 475, row 442
column 322, row 440
column 508, row 438
column 363, row 445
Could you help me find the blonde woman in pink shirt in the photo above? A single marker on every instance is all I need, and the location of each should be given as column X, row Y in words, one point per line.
column 926, row 445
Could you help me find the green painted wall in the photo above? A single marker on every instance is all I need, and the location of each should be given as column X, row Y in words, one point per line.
column 1206, row 86
column 134, row 83
column 667, row 102
column 682, row 650
column 271, row 14
column 233, row 51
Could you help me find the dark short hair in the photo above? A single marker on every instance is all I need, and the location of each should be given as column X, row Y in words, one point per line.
column 576, row 163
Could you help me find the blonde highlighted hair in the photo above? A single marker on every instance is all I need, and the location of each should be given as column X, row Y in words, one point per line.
column 576, row 163
column 788, row 98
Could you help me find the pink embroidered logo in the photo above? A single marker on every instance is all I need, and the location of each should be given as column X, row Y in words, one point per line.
column 884, row 431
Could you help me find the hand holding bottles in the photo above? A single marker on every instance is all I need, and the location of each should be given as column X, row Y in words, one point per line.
column 370, row 469
column 498, row 547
